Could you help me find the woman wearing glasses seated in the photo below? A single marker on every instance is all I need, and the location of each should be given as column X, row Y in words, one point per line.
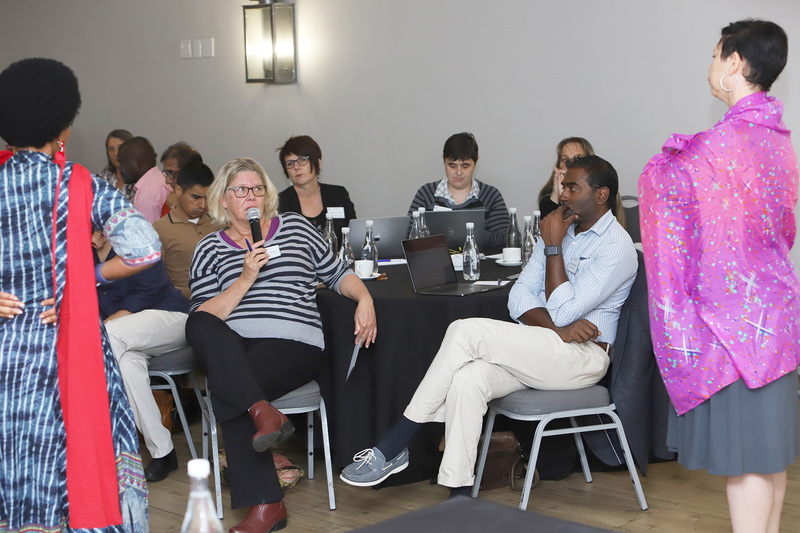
column 301, row 160
column 255, row 326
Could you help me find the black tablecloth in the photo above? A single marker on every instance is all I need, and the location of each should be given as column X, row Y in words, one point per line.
column 410, row 330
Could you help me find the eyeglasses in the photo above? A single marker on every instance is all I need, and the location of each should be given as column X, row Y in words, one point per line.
column 172, row 174
column 302, row 161
column 242, row 192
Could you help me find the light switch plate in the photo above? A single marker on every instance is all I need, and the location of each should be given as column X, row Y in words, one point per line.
column 186, row 49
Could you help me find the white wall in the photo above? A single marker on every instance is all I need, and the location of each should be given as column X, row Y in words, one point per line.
column 383, row 83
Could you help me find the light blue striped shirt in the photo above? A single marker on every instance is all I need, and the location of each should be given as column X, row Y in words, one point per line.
column 601, row 267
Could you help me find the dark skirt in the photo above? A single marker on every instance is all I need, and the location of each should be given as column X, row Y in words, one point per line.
column 739, row 430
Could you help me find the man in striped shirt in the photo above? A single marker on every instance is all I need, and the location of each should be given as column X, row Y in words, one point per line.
column 566, row 302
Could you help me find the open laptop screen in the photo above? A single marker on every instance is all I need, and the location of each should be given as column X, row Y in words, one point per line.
column 429, row 262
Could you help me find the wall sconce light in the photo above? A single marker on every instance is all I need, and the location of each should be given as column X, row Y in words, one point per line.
column 269, row 43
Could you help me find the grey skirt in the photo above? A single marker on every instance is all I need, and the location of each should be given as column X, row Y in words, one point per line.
column 739, row 430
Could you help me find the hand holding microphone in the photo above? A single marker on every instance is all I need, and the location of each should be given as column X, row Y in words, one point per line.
column 254, row 259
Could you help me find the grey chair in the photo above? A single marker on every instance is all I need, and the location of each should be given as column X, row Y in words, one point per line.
column 631, row 206
column 167, row 367
column 545, row 406
column 306, row 399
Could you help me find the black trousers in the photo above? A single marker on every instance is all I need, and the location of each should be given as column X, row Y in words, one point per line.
column 242, row 372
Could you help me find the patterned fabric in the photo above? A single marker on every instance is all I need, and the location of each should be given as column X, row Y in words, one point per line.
column 282, row 303
column 601, row 267
column 442, row 191
column 33, row 494
column 111, row 178
column 488, row 197
column 717, row 219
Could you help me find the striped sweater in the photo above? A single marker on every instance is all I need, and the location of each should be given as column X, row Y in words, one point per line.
column 495, row 221
column 282, row 302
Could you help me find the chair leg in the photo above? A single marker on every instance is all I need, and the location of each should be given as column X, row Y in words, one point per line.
column 487, row 436
column 310, row 447
column 179, row 406
column 326, row 443
column 637, row 485
column 587, row 474
column 537, row 443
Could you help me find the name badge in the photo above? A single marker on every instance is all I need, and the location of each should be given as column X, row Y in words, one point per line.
column 572, row 267
column 336, row 212
column 274, row 251
column 441, row 208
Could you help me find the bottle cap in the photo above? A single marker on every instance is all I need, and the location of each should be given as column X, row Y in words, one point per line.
column 470, row 225
column 198, row 468
column 512, row 210
column 526, row 218
column 328, row 215
column 415, row 214
column 368, row 223
column 421, row 209
column 537, row 213
column 345, row 230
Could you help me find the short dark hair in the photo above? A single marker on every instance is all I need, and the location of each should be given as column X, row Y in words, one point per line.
column 461, row 146
column 122, row 135
column 39, row 98
column 601, row 174
column 194, row 173
column 301, row 145
column 762, row 44
column 181, row 151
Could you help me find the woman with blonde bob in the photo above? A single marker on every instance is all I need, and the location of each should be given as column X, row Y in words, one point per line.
column 255, row 326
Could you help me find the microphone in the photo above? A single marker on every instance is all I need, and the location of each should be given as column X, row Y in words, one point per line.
column 254, row 217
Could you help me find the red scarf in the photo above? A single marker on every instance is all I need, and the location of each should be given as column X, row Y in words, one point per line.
column 92, row 486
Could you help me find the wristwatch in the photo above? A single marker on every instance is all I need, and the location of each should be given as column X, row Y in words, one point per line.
column 552, row 250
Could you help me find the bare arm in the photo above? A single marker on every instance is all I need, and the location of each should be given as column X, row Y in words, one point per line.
column 115, row 268
column 579, row 331
column 366, row 325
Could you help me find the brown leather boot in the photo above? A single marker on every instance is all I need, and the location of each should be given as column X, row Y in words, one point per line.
column 262, row 519
column 271, row 426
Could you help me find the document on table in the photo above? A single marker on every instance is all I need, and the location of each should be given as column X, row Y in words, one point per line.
column 500, row 282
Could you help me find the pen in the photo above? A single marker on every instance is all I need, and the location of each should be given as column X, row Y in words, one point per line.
column 248, row 245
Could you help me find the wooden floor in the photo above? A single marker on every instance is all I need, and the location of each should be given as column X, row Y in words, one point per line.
column 679, row 500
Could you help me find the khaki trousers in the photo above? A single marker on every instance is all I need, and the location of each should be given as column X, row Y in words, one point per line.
column 481, row 359
column 134, row 340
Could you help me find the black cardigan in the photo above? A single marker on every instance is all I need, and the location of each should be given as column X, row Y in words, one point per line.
column 332, row 196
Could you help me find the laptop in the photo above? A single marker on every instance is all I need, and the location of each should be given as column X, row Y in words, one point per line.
column 431, row 269
column 453, row 225
column 389, row 234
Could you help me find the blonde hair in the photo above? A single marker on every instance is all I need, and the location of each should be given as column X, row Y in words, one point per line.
column 223, row 180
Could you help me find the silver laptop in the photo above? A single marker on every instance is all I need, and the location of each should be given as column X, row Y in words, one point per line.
column 389, row 234
column 453, row 225
column 431, row 269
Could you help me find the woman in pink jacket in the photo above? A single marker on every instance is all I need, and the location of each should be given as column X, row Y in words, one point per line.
column 717, row 217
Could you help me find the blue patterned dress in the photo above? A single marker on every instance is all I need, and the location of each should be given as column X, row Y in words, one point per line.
column 33, row 485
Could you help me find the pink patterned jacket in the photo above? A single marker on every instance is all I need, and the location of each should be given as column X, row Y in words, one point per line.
column 717, row 220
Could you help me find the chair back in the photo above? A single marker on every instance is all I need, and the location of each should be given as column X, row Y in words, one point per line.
column 631, row 206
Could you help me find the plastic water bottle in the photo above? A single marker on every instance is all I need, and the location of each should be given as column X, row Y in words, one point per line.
column 414, row 233
column 423, row 228
column 201, row 516
column 537, row 232
column 346, row 252
column 330, row 235
column 528, row 241
column 472, row 261
column 370, row 250
column 513, row 237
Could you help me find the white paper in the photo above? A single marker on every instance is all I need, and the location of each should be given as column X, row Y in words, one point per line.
column 353, row 359
column 336, row 212
column 274, row 251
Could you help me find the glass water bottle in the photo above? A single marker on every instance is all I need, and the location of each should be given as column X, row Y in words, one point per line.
column 346, row 251
column 472, row 261
column 330, row 235
column 201, row 516
column 370, row 250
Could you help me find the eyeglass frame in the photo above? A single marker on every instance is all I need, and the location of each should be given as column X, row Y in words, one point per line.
column 172, row 174
column 300, row 161
column 262, row 187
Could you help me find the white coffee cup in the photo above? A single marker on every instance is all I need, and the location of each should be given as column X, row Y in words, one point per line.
column 512, row 255
column 364, row 268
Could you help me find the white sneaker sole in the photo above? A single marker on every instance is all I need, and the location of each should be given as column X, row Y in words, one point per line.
column 374, row 482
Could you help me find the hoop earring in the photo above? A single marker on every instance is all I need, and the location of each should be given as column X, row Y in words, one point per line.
column 61, row 146
column 722, row 85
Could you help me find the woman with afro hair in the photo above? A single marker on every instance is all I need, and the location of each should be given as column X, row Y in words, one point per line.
column 68, row 445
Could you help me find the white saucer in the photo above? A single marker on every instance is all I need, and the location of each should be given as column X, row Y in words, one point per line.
column 367, row 278
column 511, row 264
